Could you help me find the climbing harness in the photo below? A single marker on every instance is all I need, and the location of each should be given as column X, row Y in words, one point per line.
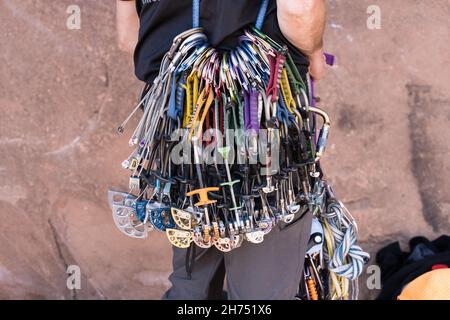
column 226, row 149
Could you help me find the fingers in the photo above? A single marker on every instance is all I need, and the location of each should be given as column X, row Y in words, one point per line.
column 317, row 65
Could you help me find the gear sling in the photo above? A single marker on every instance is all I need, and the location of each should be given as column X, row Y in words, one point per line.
column 227, row 149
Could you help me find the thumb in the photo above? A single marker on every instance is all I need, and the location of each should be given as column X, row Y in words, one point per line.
column 317, row 65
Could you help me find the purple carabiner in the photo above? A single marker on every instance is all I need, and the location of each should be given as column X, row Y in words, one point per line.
column 253, row 113
column 246, row 110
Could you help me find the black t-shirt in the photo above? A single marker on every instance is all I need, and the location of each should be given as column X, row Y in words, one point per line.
column 223, row 21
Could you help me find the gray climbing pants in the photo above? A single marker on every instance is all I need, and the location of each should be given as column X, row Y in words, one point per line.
column 271, row 270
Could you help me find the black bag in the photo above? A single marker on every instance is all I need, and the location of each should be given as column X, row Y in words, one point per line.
column 400, row 268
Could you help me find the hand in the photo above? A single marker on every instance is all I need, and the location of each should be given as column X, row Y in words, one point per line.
column 317, row 65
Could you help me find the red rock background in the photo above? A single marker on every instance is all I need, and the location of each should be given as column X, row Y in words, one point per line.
column 63, row 92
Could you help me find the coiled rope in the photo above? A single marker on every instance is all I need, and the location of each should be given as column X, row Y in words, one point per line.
column 344, row 257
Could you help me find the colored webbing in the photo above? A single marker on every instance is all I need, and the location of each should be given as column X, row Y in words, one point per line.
column 195, row 13
column 262, row 14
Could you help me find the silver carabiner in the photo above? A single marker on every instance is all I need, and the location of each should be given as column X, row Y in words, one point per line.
column 324, row 132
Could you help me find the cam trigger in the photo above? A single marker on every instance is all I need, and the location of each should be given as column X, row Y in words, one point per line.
column 203, row 194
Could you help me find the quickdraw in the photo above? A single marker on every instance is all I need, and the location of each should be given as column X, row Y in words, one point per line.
column 226, row 149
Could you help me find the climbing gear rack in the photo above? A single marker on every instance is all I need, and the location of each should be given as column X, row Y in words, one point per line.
column 226, row 149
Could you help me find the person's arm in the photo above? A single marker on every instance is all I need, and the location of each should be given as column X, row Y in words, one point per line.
column 302, row 22
column 127, row 25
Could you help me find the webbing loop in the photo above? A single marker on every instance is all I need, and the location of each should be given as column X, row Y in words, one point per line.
column 195, row 13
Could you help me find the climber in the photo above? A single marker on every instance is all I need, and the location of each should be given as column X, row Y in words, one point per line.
column 146, row 28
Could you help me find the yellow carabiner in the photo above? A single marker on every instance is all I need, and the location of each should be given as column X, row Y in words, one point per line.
column 208, row 104
column 287, row 92
column 195, row 91
column 196, row 124
column 195, row 112
column 191, row 87
column 188, row 105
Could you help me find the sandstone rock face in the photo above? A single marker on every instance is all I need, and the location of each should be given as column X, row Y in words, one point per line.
column 63, row 92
